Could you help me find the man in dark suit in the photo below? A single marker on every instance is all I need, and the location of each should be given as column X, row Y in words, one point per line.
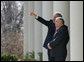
column 51, row 29
column 57, row 46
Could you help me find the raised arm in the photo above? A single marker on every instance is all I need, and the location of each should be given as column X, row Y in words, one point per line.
column 40, row 19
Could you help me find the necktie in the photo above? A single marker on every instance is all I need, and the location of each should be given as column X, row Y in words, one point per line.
column 55, row 29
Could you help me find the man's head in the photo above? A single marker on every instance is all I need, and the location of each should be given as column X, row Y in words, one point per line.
column 55, row 16
column 59, row 21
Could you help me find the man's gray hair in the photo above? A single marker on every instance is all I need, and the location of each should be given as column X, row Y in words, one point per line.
column 58, row 13
column 60, row 19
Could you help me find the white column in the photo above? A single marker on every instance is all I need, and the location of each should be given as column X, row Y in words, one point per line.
column 63, row 8
column 47, row 13
column 25, row 42
column 28, row 27
column 37, row 29
column 76, row 30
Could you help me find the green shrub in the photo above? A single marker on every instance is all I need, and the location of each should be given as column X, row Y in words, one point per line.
column 32, row 54
column 40, row 56
column 26, row 56
column 29, row 59
column 29, row 55
column 9, row 57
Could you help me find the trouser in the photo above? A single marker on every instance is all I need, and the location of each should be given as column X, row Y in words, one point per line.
column 50, row 58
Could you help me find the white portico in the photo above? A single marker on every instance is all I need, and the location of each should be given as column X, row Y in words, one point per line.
column 35, row 32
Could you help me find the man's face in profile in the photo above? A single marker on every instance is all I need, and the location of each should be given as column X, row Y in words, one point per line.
column 54, row 17
column 58, row 22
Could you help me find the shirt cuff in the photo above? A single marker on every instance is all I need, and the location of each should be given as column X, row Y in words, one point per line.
column 36, row 17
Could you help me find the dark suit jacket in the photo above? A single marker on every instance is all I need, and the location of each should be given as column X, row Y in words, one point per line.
column 59, row 42
column 51, row 30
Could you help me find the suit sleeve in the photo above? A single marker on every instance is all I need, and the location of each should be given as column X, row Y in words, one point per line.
column 43, row 21
column 61, row 35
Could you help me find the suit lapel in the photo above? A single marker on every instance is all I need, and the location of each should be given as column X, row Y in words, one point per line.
column 54, row 36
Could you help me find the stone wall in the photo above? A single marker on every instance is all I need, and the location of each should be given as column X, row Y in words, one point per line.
column 12, row 43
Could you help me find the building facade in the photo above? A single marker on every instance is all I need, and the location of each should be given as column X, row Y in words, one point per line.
column 35, row 32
